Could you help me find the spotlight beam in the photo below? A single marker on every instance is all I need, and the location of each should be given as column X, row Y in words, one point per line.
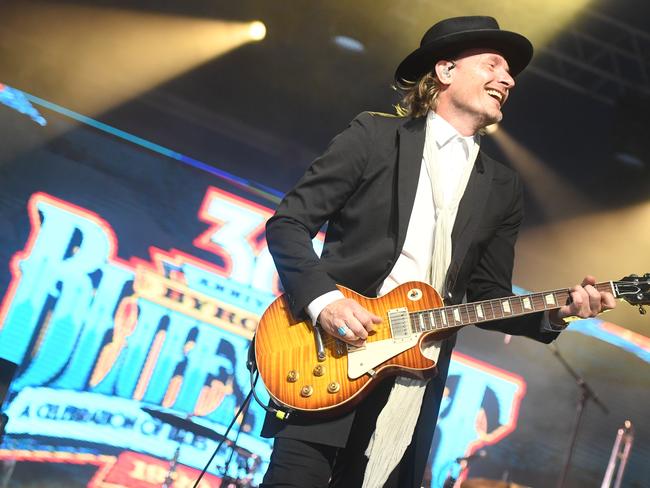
column 92, row 66
column 542, row 183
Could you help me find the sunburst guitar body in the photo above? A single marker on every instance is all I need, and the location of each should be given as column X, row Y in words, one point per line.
column 329, row 383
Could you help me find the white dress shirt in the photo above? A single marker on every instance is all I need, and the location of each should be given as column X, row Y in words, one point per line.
column 414, row 260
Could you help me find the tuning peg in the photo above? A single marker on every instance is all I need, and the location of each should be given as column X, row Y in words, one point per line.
column 642, row 310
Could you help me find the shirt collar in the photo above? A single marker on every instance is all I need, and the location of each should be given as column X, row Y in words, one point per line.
column 443, row 132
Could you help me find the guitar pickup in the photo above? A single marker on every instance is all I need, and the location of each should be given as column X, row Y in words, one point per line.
column 400, row 323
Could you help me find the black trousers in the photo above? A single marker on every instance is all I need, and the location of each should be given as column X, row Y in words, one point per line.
column 301, row 464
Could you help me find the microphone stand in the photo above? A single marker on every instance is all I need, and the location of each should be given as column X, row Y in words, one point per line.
column 586, row 394
column 233, row 449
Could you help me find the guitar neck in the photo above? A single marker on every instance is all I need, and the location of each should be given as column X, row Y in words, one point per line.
column 495, row 309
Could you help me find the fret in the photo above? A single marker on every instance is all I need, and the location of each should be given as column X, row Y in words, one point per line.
column 486, row 310
column 549, row 299
column 456, row 314
column 428, row 321
column 496, row 306
column 466, row 314
column 499, row 306
column 469, row 309
column 542, row 301
column 437, row 319
column 443, row 318
column 449, row 314
column 479, row 311
column 471, row 313
column 492, row 314
column 418, row 324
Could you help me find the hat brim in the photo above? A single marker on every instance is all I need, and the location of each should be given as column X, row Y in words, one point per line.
column 515, row 48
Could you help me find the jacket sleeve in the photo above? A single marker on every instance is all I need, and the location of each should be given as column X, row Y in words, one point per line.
column 318, row 196
column 492, row 277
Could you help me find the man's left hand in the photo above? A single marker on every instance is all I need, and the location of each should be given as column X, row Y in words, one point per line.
column 586, row 301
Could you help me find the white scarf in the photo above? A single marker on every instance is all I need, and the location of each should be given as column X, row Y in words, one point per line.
column 396, row 422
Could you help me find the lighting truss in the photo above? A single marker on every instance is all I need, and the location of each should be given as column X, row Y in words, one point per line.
column 599, row 56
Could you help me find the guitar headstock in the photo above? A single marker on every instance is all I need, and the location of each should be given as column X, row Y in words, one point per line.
column 634, row 289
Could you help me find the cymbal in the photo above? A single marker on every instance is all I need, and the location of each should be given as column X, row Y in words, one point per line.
column 183, row 423
column 487, row 483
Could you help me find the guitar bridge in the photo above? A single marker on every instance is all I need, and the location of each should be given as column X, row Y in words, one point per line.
column 400, row 324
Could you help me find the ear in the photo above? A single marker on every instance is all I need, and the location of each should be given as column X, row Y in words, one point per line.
column 443, row 69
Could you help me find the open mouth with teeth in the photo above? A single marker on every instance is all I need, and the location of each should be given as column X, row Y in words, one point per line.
column 497, row 95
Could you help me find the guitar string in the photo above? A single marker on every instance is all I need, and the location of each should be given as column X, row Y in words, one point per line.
column 535, row 297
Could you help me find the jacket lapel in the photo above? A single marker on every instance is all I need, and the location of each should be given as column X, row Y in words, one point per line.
column 410, row 147
column 470, row 211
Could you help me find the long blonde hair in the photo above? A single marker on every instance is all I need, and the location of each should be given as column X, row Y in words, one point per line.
column 418, row 97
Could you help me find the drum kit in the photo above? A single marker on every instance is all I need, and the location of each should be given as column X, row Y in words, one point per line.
column 247, row 462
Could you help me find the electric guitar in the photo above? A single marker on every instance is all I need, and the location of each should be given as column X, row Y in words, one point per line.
column 307, row 370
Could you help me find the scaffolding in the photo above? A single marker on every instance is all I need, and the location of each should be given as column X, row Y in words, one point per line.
column 599, row 57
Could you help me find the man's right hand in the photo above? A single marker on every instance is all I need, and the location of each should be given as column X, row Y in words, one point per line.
column 346, row 315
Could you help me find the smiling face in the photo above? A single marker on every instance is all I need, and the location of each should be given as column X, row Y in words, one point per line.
column 475, row 89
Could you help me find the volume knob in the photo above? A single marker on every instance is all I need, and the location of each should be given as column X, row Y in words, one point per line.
column 333, row 387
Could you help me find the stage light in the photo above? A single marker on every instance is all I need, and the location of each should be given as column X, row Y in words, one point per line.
column 349, row 44
column 91, row 67
column 257, row 30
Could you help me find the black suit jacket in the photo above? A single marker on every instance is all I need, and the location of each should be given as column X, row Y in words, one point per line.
column 364, row 187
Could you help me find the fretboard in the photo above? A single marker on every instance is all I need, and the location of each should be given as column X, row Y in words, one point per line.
column 495, row 309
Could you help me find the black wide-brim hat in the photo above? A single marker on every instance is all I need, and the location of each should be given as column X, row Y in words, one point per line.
column 452, row 36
